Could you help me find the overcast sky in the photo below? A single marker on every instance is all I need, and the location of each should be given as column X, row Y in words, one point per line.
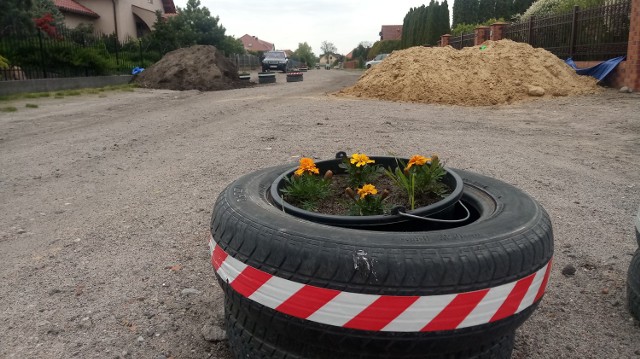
column 286, row 23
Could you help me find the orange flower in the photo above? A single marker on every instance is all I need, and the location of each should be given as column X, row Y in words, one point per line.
column 360, row 159
column 417, row 160
column 306, row 165
column 367, row 189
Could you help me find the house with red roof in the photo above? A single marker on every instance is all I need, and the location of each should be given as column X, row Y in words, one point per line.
column 126, row 18
column 391, row 32
column 252, row 43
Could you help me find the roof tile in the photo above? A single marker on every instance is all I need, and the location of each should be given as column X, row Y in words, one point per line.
column 74, row 7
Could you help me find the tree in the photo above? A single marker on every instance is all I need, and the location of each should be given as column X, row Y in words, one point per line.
column 304, row 54
column 361, row 53
column 15, row 16
column 41, row 8
column 383, row 47
column 424, row 25
column 520, row 6
column 231, row 45
column 193, row 25
column 465, row 12
column 486, row 10
column 328, row 48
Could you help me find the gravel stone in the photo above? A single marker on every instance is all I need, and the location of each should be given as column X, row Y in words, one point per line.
column 569, row 270
column 190, row 145
column 213, row 333
column 535, row 91
column 190, row 291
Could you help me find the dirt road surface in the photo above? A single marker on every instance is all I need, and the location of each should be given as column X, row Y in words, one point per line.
column 105, row 204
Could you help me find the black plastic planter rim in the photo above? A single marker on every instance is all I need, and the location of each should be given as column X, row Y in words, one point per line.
column 266, row 74
column 452, row 179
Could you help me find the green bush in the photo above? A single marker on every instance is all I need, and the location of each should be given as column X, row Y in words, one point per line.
column 383, row 47
column 95, row 59
column 460, row 29
column 4, row 63
column 543, row 8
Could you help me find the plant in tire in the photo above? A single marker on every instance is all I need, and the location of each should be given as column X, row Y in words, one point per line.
column 404, row 183
column 300, row 286
column 305, row 187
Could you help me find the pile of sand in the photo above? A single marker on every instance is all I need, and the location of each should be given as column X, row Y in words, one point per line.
column 199, row 67
column 498, row 72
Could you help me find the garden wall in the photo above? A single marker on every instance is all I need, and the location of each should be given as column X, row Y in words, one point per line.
column 69, row 83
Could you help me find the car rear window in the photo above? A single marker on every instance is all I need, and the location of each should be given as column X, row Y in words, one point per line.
column 275, row 54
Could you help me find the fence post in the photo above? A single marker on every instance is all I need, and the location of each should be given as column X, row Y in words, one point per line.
column 574, row 31
column 497, row 31
column 530, row 32
column 444, row 40
column 84, row 45
column 632, row 72
column 480, row 35
column 141, row 58
column 117, row 57
column 44, row 69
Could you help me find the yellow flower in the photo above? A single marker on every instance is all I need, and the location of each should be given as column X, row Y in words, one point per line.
column 360, row 159
column 366, row 190
column 306, row 165
column 417, row 160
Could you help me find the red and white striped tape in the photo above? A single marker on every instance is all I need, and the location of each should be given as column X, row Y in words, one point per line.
column 372, row 312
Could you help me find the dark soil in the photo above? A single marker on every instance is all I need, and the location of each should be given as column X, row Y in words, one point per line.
column 339, row 203
column 199, row 67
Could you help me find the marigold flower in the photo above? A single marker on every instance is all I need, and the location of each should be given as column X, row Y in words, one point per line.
column 417, row 160
column 306, row 165
column 367, row 189
column 360, row 159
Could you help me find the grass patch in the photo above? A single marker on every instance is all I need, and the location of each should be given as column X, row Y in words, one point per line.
column 31, row 105
column 62, row 94
column 8, row 109
column 29, row 95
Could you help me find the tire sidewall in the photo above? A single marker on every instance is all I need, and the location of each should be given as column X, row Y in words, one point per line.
column 505, row 231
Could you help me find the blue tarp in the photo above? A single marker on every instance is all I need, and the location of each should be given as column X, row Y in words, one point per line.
column 599, row 71
column 136, row 70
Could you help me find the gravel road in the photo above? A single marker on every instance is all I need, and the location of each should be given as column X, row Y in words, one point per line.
column 105, row 204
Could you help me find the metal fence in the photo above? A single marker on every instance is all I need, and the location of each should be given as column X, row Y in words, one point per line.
column 74, row 53
column 68, row 53
column 592, row 34
column 464, row 40
column 246, row 62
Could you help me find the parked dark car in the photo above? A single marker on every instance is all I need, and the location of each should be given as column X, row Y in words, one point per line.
column 275, row 60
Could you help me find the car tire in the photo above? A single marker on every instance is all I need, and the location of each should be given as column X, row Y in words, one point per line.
column 511, row 242
column 251, row 339
column 637, row 226
column 633, row 285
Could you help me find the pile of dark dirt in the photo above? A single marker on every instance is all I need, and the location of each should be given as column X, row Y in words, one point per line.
column 499, row 72
column 199, row 67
